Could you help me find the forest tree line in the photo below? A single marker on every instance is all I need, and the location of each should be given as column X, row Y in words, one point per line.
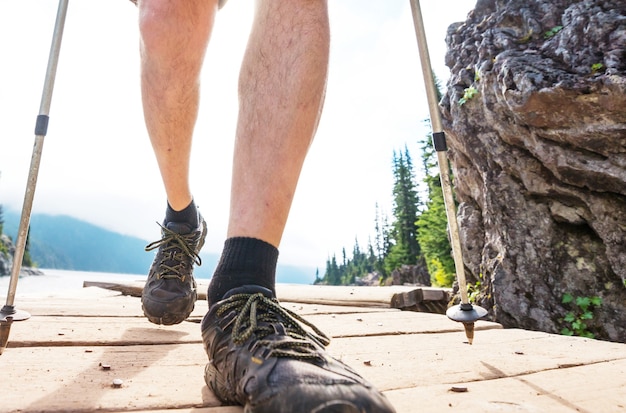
column 4, row 248
column 415, row 234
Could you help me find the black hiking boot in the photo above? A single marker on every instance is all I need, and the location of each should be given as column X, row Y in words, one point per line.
column 169, row 294
column 262, row 358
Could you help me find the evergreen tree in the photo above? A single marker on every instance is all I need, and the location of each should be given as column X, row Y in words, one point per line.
column 360, row 264
column 433, row 224
column 372, row 258
column 381, row 242
column 27, row 261
column 332, row 275
column 433, row 237
column 395, row 244
column 405, row 249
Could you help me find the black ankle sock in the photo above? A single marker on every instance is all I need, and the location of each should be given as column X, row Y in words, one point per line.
column 244, row 261
column 188, row 215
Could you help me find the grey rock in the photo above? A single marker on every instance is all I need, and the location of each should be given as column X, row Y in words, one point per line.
column 6, row 259
column 539, row 157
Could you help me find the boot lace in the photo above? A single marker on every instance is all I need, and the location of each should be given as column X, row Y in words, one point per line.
column 263, row 316
column 177, row 252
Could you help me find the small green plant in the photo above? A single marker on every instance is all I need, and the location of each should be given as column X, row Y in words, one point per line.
column 550, row 33
column 596, row 68
column 583, row 311
column 439, row 275
column 472, row 291
column 469, row 93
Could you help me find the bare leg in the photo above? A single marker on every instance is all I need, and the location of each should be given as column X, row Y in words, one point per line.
column 258, row 355
column 174, row 37
column 281, row 91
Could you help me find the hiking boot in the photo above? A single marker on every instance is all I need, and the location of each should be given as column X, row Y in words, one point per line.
column 261, row 357
column 169, row 294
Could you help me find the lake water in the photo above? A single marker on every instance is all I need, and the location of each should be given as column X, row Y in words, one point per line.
column 55, row 281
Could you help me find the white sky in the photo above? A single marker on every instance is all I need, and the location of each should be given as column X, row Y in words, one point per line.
column 97, row 162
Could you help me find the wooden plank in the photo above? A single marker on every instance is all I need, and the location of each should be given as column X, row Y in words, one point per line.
column 385, row 323
column 599, row 387
column 94, row 301
column 62, row 379
column 405, row 361
column 414, row 357
column 170, row 376
column 346, row 295
column 302, row 293
column 423, row 300
column 98, row 331
column 131, row 288
column 538, row 392
column 88, row 302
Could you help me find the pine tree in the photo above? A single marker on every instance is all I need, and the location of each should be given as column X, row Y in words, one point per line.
column 317, row 276
column 27, row 261
column 381, row 241
column 332, row 275
column 405, row 249
column 433, row 225
column 433, row 237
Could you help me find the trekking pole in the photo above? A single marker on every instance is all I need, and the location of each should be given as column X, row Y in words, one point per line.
column 9, row 313
column 465, row 312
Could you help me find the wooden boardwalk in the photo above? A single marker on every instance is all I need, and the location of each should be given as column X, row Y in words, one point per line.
column 67, row 356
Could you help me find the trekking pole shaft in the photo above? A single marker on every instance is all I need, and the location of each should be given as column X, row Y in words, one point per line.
column 40, row 132
column 441, row 148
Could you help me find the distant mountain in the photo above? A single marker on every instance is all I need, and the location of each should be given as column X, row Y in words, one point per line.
column 63, row 242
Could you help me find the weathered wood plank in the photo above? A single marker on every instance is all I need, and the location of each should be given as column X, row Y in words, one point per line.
column 97, row 331
column 94, row 301
column 538, row 392
column 415, row 358
column 66, row 379
column 406, row 361
column 131, row 288
column 591, row 388
column 90, row 301
column 354, row 295
column 310, row 294
column 170, row 376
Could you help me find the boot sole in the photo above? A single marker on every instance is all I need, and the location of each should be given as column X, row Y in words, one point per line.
column 170, row 318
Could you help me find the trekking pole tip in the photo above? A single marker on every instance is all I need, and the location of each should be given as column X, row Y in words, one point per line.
column 5, row 328
column 467, row 314
column 469, row 332
column 8, row 314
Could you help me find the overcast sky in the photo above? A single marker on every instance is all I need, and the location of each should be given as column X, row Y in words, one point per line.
column 97, row 162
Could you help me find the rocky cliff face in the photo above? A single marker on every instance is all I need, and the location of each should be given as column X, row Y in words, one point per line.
column 538, row 151
column 7, row 250
column 6, row 255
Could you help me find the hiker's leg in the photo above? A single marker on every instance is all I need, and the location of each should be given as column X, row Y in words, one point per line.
column 281, row 92
column 174, row 37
